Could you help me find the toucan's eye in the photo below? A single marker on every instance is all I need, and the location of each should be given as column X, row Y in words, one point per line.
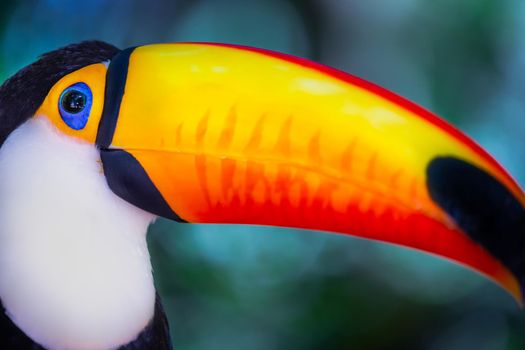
column 75, row 104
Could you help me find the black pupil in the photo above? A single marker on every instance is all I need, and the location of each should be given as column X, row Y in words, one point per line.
column 74, row 101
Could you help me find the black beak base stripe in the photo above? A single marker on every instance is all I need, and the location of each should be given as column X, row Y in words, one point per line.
column 124, row 174
column 115, row 87
column 128, row 180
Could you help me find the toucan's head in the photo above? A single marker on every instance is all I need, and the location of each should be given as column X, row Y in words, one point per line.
column 212, row 133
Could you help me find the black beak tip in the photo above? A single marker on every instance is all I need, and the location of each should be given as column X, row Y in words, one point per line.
column 483, row 208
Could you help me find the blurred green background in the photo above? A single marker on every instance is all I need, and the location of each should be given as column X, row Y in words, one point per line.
column 239, row 287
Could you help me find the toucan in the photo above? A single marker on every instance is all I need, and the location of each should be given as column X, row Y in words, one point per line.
column 97, row 142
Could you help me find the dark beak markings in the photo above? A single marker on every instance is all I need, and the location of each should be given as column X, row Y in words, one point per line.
column 483, row 208
column 124, row 174
column 115, row 87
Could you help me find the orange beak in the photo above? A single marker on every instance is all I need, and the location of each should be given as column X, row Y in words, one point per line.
column 210, row 133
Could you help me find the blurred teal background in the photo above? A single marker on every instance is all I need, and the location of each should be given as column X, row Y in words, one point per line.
column 228, row 287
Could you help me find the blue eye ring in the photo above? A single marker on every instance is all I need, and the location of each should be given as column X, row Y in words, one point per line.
column 74, row 105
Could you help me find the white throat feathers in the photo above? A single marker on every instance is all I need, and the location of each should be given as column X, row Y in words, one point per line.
column 75, row 271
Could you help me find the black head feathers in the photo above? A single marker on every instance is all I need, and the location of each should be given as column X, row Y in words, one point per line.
column 23, row 93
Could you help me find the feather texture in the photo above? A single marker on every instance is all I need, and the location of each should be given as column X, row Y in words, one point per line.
column 23, row 93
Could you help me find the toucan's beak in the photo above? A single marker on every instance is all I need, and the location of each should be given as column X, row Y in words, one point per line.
column 208, row 133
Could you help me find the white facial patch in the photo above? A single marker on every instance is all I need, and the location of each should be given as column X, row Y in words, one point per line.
column 74, row 265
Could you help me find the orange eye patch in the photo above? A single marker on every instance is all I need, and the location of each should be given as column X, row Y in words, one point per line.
column 92, row 76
